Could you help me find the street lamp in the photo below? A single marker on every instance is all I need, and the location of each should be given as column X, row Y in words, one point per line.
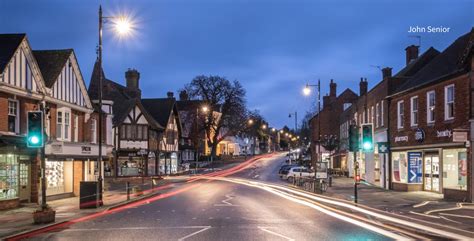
column 123, row 26
column 250, row 121
column 205, row 109
column 273, row 129
column 264, row 126
column 307, row 91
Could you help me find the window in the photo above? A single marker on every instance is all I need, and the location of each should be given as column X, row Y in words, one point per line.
column 93, row 131
column 381, row 113
column 399, row 167
column 372, row 115
column 449, row 102
column 377, row 115
column 455, row 168
column 400, row 115
column 76, row 128
column 430, row 106
column 63, row 124
column 8, row 176
column 13, row 117
column 67, row 124
column 414, row 111
column 59, row 125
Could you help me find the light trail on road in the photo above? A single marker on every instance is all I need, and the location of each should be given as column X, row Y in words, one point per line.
column 277, row 190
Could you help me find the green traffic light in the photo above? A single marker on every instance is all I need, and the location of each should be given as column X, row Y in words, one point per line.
column 367, row 146
column 34, row 140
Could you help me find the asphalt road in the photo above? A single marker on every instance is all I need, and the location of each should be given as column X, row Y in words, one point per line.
column 218, row 210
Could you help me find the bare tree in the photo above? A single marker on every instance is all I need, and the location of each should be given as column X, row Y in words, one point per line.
column 225, row 99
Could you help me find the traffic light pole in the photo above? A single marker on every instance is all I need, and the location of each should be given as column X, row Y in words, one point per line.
column 43, row 178
column 356, row 172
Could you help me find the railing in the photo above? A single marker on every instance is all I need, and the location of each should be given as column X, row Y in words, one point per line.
column 310, row 184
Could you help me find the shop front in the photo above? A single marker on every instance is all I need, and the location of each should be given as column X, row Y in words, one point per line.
column 168, row 163
column 69, row 163
column 16, row 173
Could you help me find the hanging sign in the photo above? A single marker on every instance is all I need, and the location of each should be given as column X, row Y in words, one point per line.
column 383, row 147
column 419, row 135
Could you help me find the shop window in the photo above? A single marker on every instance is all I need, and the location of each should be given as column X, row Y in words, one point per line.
column 449, row 102
column 8, row 176
column 455, row 169
column 399, row 167
column 400, row 114
column 13, row 117
column 430, row 107
column 414, row 111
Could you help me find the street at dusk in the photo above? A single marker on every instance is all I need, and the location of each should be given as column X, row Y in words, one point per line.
column 236, row 120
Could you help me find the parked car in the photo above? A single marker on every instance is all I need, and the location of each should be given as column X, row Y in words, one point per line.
column 284, row 170
column 298, row 172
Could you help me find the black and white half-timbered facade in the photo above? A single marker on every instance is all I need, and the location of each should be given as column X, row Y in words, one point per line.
column 29, row 79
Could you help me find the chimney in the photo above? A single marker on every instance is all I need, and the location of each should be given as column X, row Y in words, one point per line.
column 170, row 94
column 183, row 95
column 326, row 101
column 386, row 72
column 132, row 76
column 411, row 53
column 332, row 88
column 363, row 86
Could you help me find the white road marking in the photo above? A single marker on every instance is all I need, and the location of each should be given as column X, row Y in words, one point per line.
column 424, row 215
column 456, row 215
column 226, row 202
column 284, row 192
column 265, row 229
column 421, row 204
column 192, row 234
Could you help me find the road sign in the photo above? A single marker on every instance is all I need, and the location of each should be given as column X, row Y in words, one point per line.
column 415, row 167
column 321, row 170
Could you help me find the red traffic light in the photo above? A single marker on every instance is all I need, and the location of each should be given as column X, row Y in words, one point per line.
column 357, row 178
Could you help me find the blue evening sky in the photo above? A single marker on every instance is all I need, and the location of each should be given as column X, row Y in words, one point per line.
column 272, row 46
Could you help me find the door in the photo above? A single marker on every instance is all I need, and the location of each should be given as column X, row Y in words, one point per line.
column 431, row 173
column 25, row 184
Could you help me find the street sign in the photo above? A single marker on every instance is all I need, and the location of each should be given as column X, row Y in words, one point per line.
column 415, row 167
column 321, row 170
column 383, row 147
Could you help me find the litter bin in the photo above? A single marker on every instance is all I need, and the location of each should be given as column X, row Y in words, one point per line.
column 88, row 195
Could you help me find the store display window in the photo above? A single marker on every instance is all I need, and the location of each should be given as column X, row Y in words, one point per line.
column 59, row 176
column 455, row 169
column 399, row 167
column 8, row 176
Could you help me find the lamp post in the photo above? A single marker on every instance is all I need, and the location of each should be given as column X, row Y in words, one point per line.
column 296, row 120
column 204, row 110
column 307, row 91
column 123, row 26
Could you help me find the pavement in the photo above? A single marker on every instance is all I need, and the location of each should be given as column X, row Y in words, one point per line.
column 248, row 201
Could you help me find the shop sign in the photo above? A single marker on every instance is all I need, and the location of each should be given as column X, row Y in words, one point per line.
column 57, row 148
column 383, row 147
column 142, row 152
column 459, row 136
column 415, row 167
column 322, row 170
column 85, row 149
column 445, row 133
column 401, row 138
column 419, row 135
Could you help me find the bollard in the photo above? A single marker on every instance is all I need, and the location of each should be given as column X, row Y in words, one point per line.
column 152, row 184
column 294, row 179
column 330, row 180
column 127, row 186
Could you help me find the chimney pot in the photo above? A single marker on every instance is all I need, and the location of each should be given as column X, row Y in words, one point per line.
column 363, row 86
column 386, row 72
column 332, row 88
column 183, row 95
column 132, row 77
column 412, row 52
column 170, row 94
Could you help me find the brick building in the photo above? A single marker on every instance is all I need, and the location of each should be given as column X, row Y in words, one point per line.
column 372, row 108
column 331, row 110
column 430, row 125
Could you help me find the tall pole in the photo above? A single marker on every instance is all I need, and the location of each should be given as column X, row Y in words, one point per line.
column 197, row 141
column 99, row 159
column 42, row 155
column 319, row 120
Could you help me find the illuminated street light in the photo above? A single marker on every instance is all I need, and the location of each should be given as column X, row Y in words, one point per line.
column 264, row 126
column 286, row 134
column 250, row 121
column 281, row 131
column 273, row 129
column 205, row 109
column 123, row 25
column 306, row 90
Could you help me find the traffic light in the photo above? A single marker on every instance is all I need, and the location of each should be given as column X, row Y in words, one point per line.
column 353, row 138
column 34, row 137
column 367, row 142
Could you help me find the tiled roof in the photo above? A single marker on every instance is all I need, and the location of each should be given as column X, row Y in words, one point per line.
column 51, row 63
column 418, row 64
column 160, row 109
column 8, row 45
column 444, row 64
